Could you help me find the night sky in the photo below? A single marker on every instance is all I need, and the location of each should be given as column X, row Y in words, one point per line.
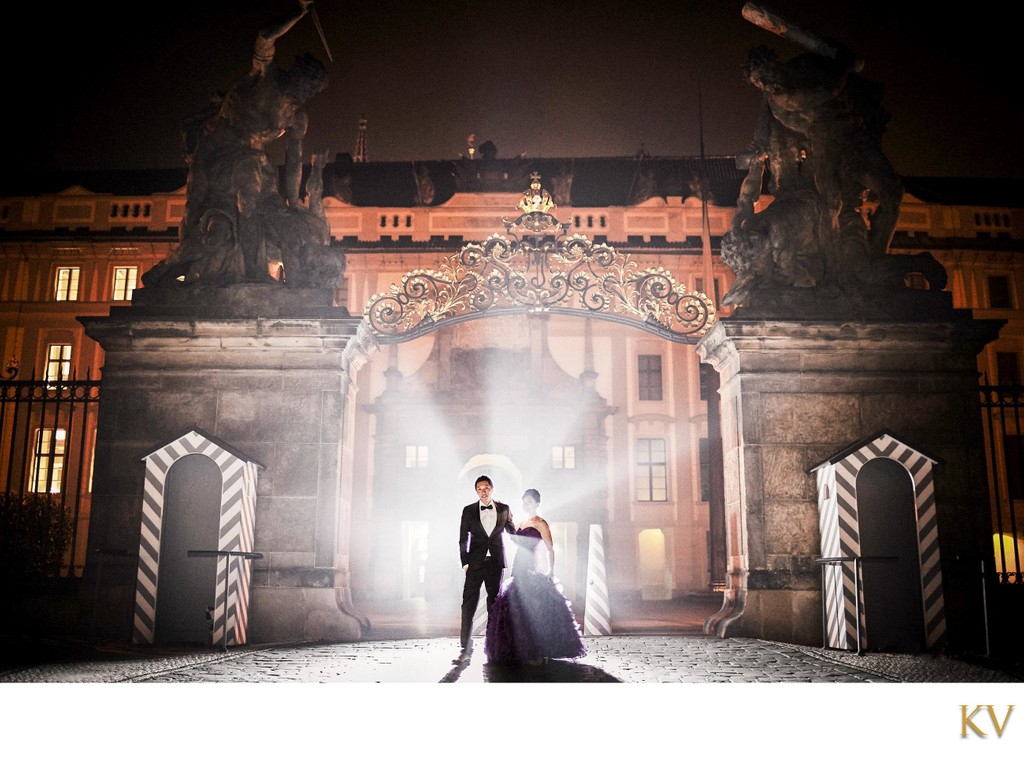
column 109, row 82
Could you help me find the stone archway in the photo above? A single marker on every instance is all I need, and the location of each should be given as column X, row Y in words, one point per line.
column 534, row 271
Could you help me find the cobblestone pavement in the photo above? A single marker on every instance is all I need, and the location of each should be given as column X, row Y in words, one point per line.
column 611, row 659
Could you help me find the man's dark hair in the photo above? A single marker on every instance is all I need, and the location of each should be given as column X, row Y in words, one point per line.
column 482, row 479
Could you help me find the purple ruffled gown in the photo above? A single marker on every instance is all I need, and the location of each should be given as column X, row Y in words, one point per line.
column 530, row 619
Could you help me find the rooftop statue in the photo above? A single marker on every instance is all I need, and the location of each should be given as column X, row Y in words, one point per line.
column 819, row 141
column 239, row 218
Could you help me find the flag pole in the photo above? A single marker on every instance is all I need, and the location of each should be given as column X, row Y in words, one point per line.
column 705, row 226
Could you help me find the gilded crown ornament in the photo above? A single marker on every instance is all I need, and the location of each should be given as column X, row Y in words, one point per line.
column 536, row 198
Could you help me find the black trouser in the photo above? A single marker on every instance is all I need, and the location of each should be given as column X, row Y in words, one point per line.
column 488, row 574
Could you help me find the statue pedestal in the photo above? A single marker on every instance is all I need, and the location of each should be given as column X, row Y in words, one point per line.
column 794, row 392
column 266, row 370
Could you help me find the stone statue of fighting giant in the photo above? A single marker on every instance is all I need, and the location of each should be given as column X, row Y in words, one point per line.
column 817, row 151
column 239, row 219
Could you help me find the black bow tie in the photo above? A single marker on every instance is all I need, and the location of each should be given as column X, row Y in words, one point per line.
column 483, row 507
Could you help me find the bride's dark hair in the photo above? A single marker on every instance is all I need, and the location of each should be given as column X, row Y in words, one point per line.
column 534, row 493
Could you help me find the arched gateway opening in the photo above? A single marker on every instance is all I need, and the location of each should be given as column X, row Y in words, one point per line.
column 536, row 399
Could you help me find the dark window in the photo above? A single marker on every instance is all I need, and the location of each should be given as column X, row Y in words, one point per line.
column 1014, row 466
column 649, row 377
column 1007, row 368
column 708, row 382
column 999, row 293
column 916, row 281
column 705, row 470
column 698, row 285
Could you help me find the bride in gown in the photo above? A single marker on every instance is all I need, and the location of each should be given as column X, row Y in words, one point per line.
column 530, row 619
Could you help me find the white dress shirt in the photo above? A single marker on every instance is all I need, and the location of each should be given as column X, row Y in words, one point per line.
column 489, row 518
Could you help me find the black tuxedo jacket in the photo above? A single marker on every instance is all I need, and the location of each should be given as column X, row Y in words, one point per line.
column 473, row 539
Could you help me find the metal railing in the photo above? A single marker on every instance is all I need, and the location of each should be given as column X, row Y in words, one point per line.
column 1002, row 408
column 47, row 434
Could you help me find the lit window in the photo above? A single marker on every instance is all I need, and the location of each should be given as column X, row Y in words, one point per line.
column 47, row 474
column 58, row 363
column 416, row 456
column 651, row 470
column 124, row 283
column 563, row 457
column 649, row 377
column 66, row 288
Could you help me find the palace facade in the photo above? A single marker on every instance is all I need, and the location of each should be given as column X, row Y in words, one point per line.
column 610, row 423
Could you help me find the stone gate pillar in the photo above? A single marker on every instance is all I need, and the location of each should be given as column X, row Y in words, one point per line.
column 267, row 370
column 795, row 390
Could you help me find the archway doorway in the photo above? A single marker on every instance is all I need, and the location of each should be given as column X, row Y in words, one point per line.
column 655, row 573
column 192, row 505
column 891, row 570
column 486, row 352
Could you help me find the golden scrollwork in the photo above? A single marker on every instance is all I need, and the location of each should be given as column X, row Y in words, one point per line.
column 535, row 267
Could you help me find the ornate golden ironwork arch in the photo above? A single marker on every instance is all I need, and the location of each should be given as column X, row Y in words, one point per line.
column 536, row 267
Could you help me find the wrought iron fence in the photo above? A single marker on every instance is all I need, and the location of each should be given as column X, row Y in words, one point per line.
column 1002, row 411
column 47, row 436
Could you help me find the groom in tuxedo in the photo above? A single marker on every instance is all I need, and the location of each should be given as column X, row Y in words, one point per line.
column 484, row 523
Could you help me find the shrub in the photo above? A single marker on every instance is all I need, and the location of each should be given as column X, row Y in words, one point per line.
column 34, row 535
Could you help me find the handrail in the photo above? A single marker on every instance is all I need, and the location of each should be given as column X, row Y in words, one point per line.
column 227, row 573
column 823, row 561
